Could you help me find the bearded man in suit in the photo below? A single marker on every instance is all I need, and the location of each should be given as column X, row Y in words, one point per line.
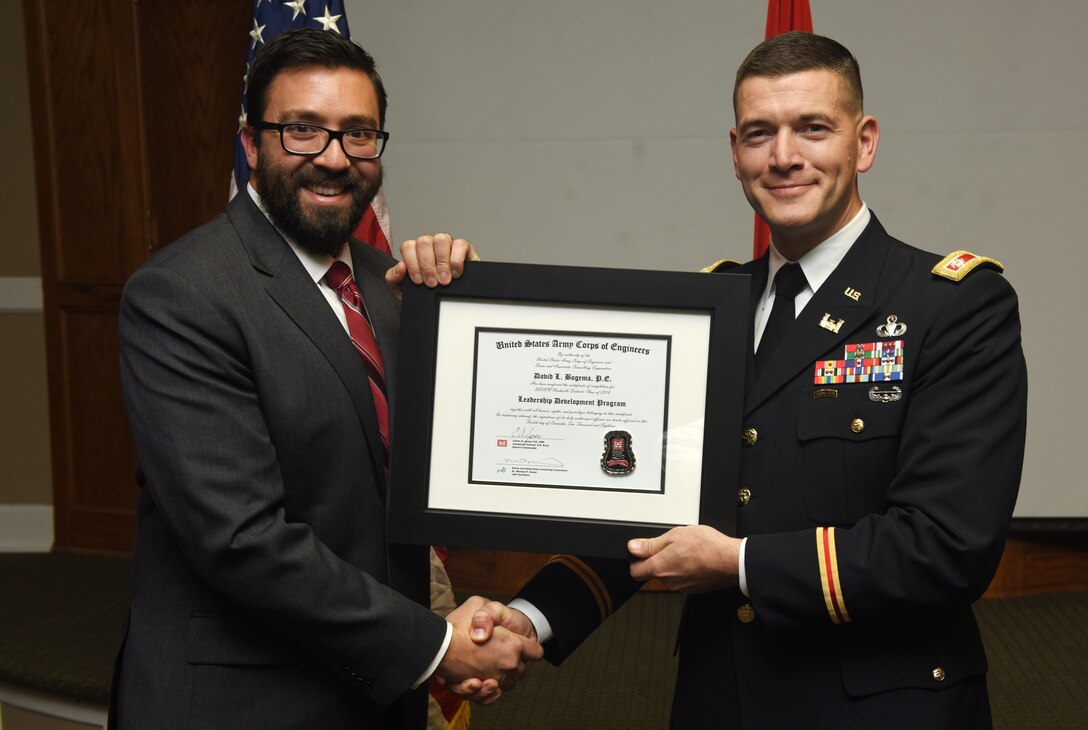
column 265, row 593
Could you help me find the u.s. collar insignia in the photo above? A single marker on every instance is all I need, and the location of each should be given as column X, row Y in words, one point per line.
column 892, row 328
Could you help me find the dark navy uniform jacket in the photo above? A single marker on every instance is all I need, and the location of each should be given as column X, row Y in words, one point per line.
column 883, row 450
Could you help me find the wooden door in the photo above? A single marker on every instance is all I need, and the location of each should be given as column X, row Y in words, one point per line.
column 134, row 106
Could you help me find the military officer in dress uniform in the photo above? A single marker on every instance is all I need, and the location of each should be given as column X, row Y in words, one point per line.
column 884, row 425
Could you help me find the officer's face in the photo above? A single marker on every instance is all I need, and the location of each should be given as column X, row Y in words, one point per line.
column 797, row 148
column 316, row 199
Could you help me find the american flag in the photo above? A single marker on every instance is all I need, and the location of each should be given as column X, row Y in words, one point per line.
column 270, row 18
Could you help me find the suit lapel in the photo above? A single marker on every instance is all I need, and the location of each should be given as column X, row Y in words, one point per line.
column 382, row 309
column 758, row 271
column 293, row 290
column 807, row 340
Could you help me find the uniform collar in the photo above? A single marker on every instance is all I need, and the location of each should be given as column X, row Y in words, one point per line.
column 818, row 263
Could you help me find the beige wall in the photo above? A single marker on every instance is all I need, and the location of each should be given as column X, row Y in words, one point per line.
column 24, row 424
column 596, row 134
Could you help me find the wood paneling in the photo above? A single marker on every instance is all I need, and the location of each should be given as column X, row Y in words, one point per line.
column 86, row 110
column 134, row 108
column 1040, row 562
column 192, row 84
column 491, row 572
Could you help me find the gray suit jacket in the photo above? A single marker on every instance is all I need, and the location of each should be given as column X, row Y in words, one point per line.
column 265, row 594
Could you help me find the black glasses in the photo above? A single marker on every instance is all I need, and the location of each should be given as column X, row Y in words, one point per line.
column 300, row 138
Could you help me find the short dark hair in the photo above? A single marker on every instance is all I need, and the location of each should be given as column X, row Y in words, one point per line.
column 798, row 51
column 306, row 47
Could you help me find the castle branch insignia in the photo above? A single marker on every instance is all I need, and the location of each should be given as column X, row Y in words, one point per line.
column 831, row 324
column 864, row 362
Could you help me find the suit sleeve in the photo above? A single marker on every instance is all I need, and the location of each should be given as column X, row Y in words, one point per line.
column 212, row 471
column 939, row 540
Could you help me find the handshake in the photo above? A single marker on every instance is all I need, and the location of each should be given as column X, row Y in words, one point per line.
column 490, row 650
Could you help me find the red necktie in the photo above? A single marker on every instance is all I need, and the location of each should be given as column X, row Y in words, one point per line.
column 362, row 336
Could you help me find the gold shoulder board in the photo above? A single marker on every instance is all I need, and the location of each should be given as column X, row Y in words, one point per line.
column 959, row 264
column 719, row 265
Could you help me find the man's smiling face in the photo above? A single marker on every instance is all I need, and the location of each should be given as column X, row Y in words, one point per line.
column 317, row 200
column 799, row 144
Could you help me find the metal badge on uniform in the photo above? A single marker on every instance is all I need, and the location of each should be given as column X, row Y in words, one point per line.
column 885, row 395
column 865, row 362
column 852, row 293
column 833, row 325
column 892, row 328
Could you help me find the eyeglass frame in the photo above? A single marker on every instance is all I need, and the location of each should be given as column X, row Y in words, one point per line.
column 338, row 135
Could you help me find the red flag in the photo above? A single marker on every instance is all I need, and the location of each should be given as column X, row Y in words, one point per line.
column 782, row 17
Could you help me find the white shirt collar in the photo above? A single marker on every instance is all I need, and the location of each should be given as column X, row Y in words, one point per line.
column 818, row 263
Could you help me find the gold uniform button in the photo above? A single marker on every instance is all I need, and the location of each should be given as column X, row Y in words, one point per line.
column 749, row 436
column 744, row 496
column 857, row 425
column 746, row 614
column 938, row 674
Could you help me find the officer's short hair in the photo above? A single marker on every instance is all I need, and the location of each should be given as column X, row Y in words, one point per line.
column 797, row 51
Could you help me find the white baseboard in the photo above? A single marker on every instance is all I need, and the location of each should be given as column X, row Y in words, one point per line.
column 26, row 528
column 52, row 706
column 20, row 294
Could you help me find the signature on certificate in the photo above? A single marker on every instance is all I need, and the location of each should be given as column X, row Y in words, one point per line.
column 549, row 461
column 524, row 432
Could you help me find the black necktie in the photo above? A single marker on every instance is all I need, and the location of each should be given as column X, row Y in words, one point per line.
column 787, row 283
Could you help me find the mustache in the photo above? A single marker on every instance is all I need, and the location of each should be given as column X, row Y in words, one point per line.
column 312, row 176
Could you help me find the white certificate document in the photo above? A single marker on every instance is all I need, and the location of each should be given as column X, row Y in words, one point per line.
column 570, row 408
column 559, row 410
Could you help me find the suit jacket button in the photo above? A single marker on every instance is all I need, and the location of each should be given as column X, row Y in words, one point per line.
column 749, row 436
column 744, row 496
column 746, row 614
column 938, row 674
column 857, row 425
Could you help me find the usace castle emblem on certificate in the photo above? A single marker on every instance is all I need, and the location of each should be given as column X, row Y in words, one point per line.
column 619, row 458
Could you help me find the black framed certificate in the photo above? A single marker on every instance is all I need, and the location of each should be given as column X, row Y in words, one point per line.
column 567, row 409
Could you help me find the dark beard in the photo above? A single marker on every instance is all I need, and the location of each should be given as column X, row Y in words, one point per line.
column 324, row 231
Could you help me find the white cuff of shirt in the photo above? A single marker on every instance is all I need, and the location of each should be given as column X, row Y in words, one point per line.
column 742, row 579
column 437, row 657
column 536, row 618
